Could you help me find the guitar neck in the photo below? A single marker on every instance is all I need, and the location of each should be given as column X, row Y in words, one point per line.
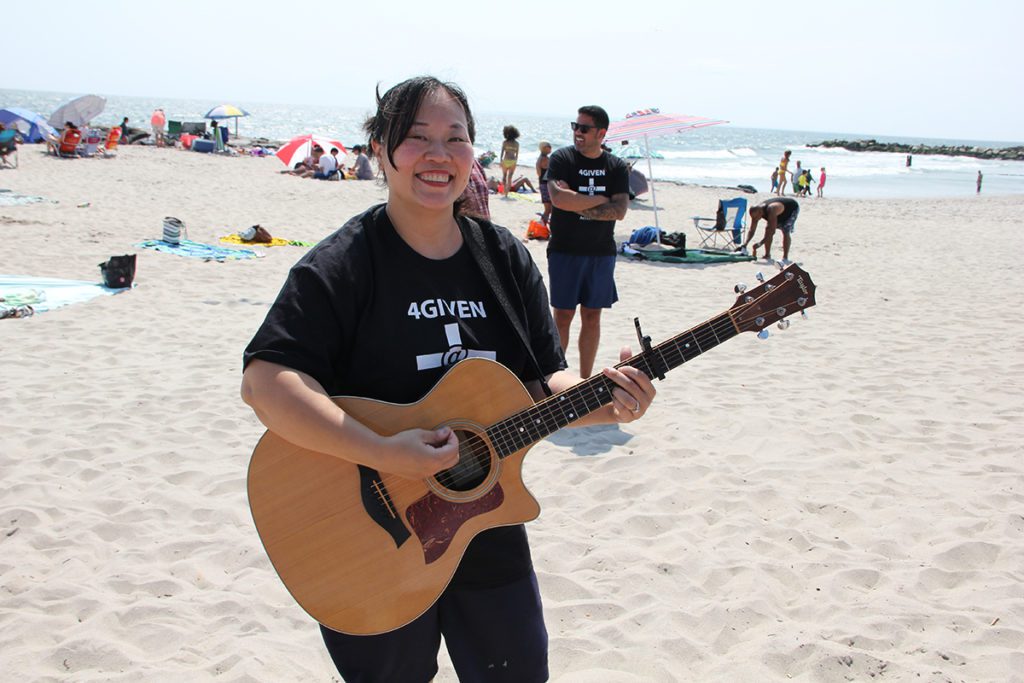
column 546, row 417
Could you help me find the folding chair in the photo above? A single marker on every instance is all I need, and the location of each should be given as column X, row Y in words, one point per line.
column 9, row 148
column 68, row 146
column 724, row 232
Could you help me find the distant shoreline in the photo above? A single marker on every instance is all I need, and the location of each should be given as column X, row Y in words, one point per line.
column 1004, row 153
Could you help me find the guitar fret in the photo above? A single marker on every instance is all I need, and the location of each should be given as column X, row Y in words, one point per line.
column 555, row 412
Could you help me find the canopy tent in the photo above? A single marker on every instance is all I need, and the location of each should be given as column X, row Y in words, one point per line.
column 32, row 126
column 79, row 111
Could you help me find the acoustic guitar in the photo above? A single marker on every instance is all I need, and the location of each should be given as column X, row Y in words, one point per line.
column 365, row 552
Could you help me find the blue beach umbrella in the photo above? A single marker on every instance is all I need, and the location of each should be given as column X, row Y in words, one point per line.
column 226, row 111
column 32, row 126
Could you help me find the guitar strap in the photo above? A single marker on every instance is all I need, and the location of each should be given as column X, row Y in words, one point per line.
column 475, row 239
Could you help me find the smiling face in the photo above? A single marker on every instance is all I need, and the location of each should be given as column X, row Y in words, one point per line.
column 431, row 165
column 588, row 143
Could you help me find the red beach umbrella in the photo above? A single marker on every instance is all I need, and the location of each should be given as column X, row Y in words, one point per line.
column 300, row 147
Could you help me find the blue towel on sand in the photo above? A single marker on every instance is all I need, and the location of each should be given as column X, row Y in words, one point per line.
column 207, row 252
column 11, row 198
column 46, row 293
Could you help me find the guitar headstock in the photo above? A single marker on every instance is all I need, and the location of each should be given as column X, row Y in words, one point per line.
column 786, row 294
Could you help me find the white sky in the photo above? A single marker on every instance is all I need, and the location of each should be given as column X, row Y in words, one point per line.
column 944, row 68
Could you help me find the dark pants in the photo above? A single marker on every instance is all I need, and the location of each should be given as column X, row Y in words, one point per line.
column 492, row 634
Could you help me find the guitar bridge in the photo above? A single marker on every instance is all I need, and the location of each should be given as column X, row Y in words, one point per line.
column 378, row 505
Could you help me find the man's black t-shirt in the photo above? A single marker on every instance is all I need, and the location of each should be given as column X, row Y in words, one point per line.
column 606, row 175
column 366, row 315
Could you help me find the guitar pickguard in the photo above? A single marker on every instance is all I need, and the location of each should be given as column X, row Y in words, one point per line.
column 436, row 520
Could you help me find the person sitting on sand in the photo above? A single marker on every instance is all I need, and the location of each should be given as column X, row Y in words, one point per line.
column 517, row 185
column 361, row 168
column 307, row 165
column 327, row 166
column 779, row 213
column 311, row 164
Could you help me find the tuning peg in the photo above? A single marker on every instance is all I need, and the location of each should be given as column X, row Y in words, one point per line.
column 778, row 264
column 760, row 277
column 763, row 334
column 740, row 287
column 803, row 314
column 783, row 324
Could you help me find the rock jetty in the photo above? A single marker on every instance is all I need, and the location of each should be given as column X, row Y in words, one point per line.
column 1006, row 153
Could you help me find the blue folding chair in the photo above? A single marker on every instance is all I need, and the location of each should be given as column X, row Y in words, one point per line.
column 724, row 232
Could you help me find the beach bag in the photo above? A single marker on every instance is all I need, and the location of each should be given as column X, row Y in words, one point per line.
column 118, row 271
column 537, row 231
column 256, row 233
column 173, row 230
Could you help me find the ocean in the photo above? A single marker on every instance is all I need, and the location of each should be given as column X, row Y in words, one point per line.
column 722, row 155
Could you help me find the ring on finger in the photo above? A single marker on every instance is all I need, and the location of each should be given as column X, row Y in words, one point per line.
column 636, row 409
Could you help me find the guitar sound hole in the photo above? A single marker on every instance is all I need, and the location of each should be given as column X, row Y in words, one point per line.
column 473, row 467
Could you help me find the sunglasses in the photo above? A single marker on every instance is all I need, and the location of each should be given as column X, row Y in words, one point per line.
column 581, row 127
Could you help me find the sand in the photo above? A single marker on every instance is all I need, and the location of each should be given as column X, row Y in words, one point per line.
column 843, row 501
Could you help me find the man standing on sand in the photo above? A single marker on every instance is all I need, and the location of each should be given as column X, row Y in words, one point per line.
column 979, row 182
column 779, row 213
column 589, row 191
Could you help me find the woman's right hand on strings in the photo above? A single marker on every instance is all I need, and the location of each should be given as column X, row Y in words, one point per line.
column 419, row 453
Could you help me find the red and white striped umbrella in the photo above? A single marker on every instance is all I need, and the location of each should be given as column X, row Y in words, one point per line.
column 649, row 123
column 300, row 147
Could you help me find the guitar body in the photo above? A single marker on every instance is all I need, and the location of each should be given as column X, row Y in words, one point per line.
column 365, row 552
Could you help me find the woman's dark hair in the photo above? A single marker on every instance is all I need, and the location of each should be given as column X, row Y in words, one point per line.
column 510, row 132
column 396, row 111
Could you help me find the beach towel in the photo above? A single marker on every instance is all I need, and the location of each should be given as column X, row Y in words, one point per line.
column 235, row 238
column 42, row 294
column 685, row 255
column 207, row 252
column 11, row 198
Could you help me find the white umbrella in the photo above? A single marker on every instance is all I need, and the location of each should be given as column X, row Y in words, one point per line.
column 78, row 111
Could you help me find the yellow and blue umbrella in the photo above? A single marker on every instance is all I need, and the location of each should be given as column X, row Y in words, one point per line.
column 226, row 111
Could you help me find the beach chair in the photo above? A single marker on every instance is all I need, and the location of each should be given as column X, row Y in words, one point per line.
column 110, row 145
column 9, row 148
column 68, row 146
column 173, row 130
column 91, row 142
column 724, row 232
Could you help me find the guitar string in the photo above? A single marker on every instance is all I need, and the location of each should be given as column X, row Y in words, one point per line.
column 507, row 433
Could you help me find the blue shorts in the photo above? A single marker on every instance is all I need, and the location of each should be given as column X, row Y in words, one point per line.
column 588, row 281
column 492, row 634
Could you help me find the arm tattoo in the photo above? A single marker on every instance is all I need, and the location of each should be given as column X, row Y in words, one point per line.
column 605, row 212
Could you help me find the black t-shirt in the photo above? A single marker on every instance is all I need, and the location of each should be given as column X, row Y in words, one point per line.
column 606, row 175
column 366, row 315
column 789, row 205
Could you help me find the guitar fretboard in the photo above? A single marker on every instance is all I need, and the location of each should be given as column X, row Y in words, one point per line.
column 546, row 417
